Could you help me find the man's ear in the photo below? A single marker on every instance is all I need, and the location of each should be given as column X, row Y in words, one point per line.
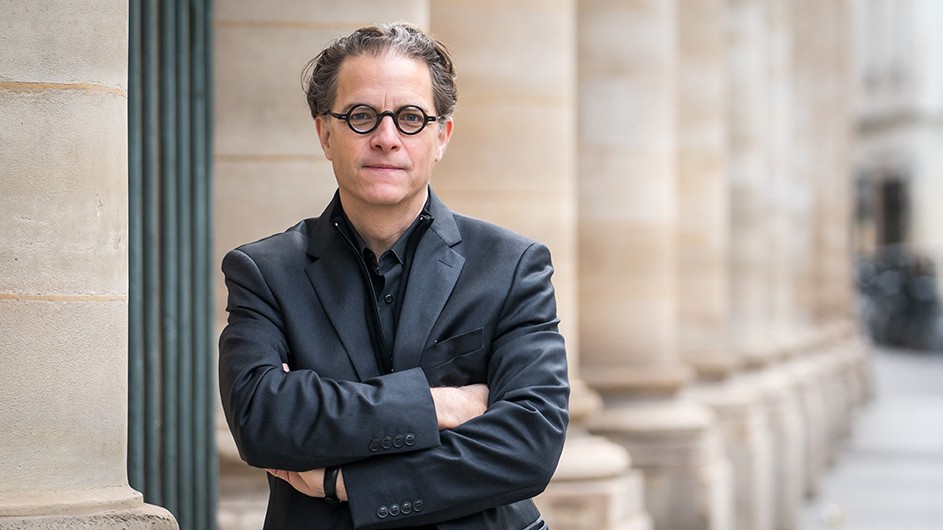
column 445, row 133
column 324, row 134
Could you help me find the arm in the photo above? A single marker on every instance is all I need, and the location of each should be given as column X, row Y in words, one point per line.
column 302, row 420
column 506, row 454
column 454, row 406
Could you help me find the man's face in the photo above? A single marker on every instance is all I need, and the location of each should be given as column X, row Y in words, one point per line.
column 383, row 168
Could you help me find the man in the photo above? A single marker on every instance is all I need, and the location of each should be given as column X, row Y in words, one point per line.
column 393, row 364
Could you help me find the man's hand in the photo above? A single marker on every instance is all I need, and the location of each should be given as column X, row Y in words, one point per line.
column 456, row 405
column 311, row 483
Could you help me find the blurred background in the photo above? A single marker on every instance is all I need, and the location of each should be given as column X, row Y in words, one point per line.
column 740, row 197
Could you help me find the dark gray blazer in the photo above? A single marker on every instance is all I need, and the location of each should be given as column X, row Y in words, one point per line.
column 478, row 308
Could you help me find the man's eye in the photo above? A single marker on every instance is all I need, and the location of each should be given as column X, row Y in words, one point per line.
column 361, row 116
column 411, row 117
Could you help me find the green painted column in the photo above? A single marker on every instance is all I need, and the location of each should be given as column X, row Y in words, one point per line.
column 171, row 342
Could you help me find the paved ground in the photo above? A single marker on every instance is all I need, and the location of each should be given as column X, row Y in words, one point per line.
column 890, row 475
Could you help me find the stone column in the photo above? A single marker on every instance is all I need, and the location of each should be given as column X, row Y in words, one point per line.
column 64, row 257
column 750, row 229
column 703, row 272
column 809, row 369
column 834, row 300
column 628, row 219
column 703, row 213
column 269, row 169
column 786, row 194
column 753, row 217
column 512, row 161
column 835, row 287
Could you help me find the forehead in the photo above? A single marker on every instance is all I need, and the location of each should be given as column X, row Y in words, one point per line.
column 384, row 81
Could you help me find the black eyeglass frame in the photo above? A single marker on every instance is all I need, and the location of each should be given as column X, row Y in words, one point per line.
column 394, row 115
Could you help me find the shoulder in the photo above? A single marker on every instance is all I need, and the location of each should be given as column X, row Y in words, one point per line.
column 494, row 240
column 281, row 248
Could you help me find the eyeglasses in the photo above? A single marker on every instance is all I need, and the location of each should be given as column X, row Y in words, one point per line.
column 364, row 119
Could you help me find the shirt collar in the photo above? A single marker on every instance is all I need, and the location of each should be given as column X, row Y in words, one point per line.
column 399, row 248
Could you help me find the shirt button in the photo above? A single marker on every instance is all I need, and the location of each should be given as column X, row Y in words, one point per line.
column 407, row 507
column 394, row 510
column 398, row 441
column 374, row 445
column 382, row 512
column 410, row 439
column 387, row 442
column 388, row 298
column 417, row 505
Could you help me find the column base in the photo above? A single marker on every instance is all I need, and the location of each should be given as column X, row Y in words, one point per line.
column 809, row 373
column 147, row 517
column 116, row 507
column 676, row 445
column 743, row 423
column 594, row 488
column 787, row 427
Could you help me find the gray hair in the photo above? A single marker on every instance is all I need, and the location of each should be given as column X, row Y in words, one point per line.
column 320, row 74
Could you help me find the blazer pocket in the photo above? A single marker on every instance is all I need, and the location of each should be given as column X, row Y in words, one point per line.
column 458, row 360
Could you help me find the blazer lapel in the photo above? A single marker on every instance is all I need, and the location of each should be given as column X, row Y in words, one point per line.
column 435, row 269
column 337, row 283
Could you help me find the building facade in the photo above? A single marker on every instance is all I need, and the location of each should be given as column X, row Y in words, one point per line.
column 898, row 165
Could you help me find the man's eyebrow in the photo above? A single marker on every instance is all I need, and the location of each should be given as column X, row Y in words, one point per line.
column 356, row 103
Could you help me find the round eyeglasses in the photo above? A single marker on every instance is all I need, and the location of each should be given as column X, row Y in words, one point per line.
column 364, row 119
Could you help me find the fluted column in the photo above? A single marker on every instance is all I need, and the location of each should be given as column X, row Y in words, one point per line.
column 64, row 255
column 628, row 218
column 269, row 169
column 512, row 161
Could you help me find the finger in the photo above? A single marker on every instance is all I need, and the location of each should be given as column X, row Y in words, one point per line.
column 278, row 473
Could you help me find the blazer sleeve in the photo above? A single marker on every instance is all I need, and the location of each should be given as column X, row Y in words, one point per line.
column 507, row 454
column 300, row 420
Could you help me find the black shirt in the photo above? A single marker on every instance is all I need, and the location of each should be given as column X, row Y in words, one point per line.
column 386, row 277
column 386, row 280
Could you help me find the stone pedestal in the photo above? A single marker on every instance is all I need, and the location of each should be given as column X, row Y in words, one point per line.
column 838, row 397
column 808, row 373
column 787, row 433
column 675, row 445
column 744, row 427
column 594, row 486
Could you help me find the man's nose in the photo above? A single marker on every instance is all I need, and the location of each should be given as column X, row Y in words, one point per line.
column 386, row 134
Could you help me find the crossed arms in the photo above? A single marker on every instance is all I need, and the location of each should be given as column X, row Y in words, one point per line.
column 453, row 407
column 472, row 447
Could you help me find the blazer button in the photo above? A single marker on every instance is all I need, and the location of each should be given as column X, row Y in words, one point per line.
column 387, row 442
column 374, row 445
column 398, row 441
column 407, row 507
column 417, row 505
column 394, row 509
column 410, row 439
column 382, row 512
